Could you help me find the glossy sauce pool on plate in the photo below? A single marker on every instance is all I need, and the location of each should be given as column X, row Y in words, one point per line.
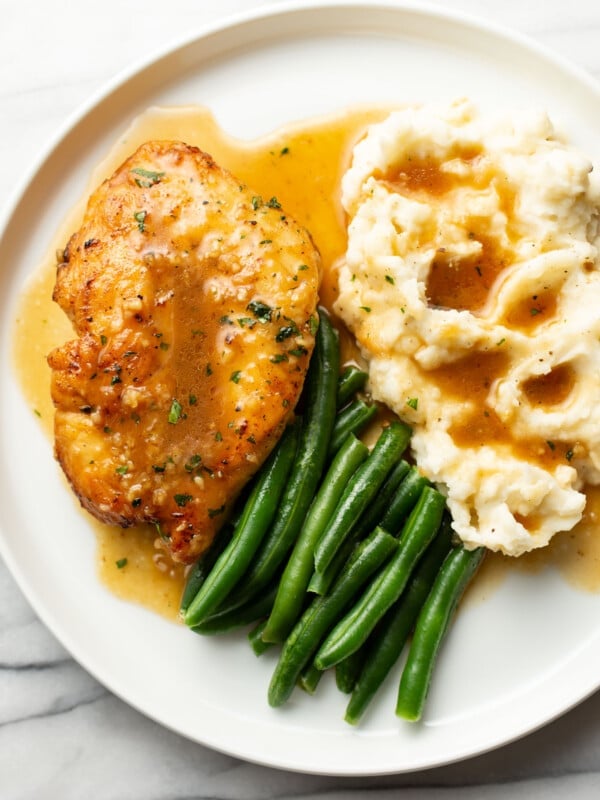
column 301, row 166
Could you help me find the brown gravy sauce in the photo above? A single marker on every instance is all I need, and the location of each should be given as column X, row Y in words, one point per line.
column 302, row 166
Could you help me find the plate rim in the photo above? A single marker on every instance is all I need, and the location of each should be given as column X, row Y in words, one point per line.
column 219, row 27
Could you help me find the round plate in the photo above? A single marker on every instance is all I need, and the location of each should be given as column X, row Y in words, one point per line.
column 258, row 72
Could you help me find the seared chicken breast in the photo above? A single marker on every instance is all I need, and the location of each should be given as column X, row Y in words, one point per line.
column 194, row 307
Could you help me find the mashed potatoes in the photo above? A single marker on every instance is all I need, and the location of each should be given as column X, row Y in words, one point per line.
column 472, row 284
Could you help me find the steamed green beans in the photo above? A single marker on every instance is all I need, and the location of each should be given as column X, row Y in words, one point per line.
column 353, row 630
column 432, row 624
column 361, row 490
column 353, row 419
column 254, row 523
column 292, row 587
column 351, row 380
column 323, row 612
column 386, row 643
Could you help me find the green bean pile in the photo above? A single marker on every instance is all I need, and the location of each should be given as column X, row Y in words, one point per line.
column 338, row 554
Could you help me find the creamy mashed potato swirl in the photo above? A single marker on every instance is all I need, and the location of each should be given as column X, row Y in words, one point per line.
column 472, row 284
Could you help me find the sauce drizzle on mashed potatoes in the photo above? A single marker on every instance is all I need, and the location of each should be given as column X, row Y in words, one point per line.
column 471, row 283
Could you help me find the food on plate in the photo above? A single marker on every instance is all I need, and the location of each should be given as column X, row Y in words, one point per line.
column 194, row 306
column 431, row 626
column 456, row 331
column 471, row 283
column 296, row 496
column 389, row 565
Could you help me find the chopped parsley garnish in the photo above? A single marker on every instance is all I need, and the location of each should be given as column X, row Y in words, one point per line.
column 175, row 412
column 261, row 311
column 182, row 499
column 208, row 370
column 298, row 351
column 159, row 467
column 266, row 241
column 413, row 402
column 314, row 325
column 122, row 470
column 246, row 322
column 277, row 359
column 569, row 455
column 103, row 339
column 214, row 512
column 366, row 309
column 274, row 203
column 193, row 463
column 235, row 376
column 218, row 436
column 534, row 311
column 164, row 346
column 257, row 202
column 225, row 320
column 389, row 279
column 164, row 536
column 137, row 502
column 551, row 445
column 150, row 177
column 192, row 399
column 140, row 218
column 285, row 332
column 284, row 151
column 122, row 562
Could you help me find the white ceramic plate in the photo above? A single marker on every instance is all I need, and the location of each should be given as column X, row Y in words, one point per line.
column 512, row 663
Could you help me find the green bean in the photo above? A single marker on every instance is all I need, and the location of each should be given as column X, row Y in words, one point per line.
column 404, row 499
column 351, row 380
column 383, row 648
column 354, row 629
column 292, row 587
column 225, row 621
column 320, row 582
column 309, row 678
column 323, row 612
column 348, row 670
column 256, row 518
column 256, row 641
column 360, row 491
column 432, row 625
column 203, row 567
column 376, row 511
column 353, row 419
column 307, row 468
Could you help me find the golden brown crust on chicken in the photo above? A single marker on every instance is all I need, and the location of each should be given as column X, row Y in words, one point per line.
column 194, row 304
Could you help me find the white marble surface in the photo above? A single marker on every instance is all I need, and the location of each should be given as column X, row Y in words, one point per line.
column 62, row 735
